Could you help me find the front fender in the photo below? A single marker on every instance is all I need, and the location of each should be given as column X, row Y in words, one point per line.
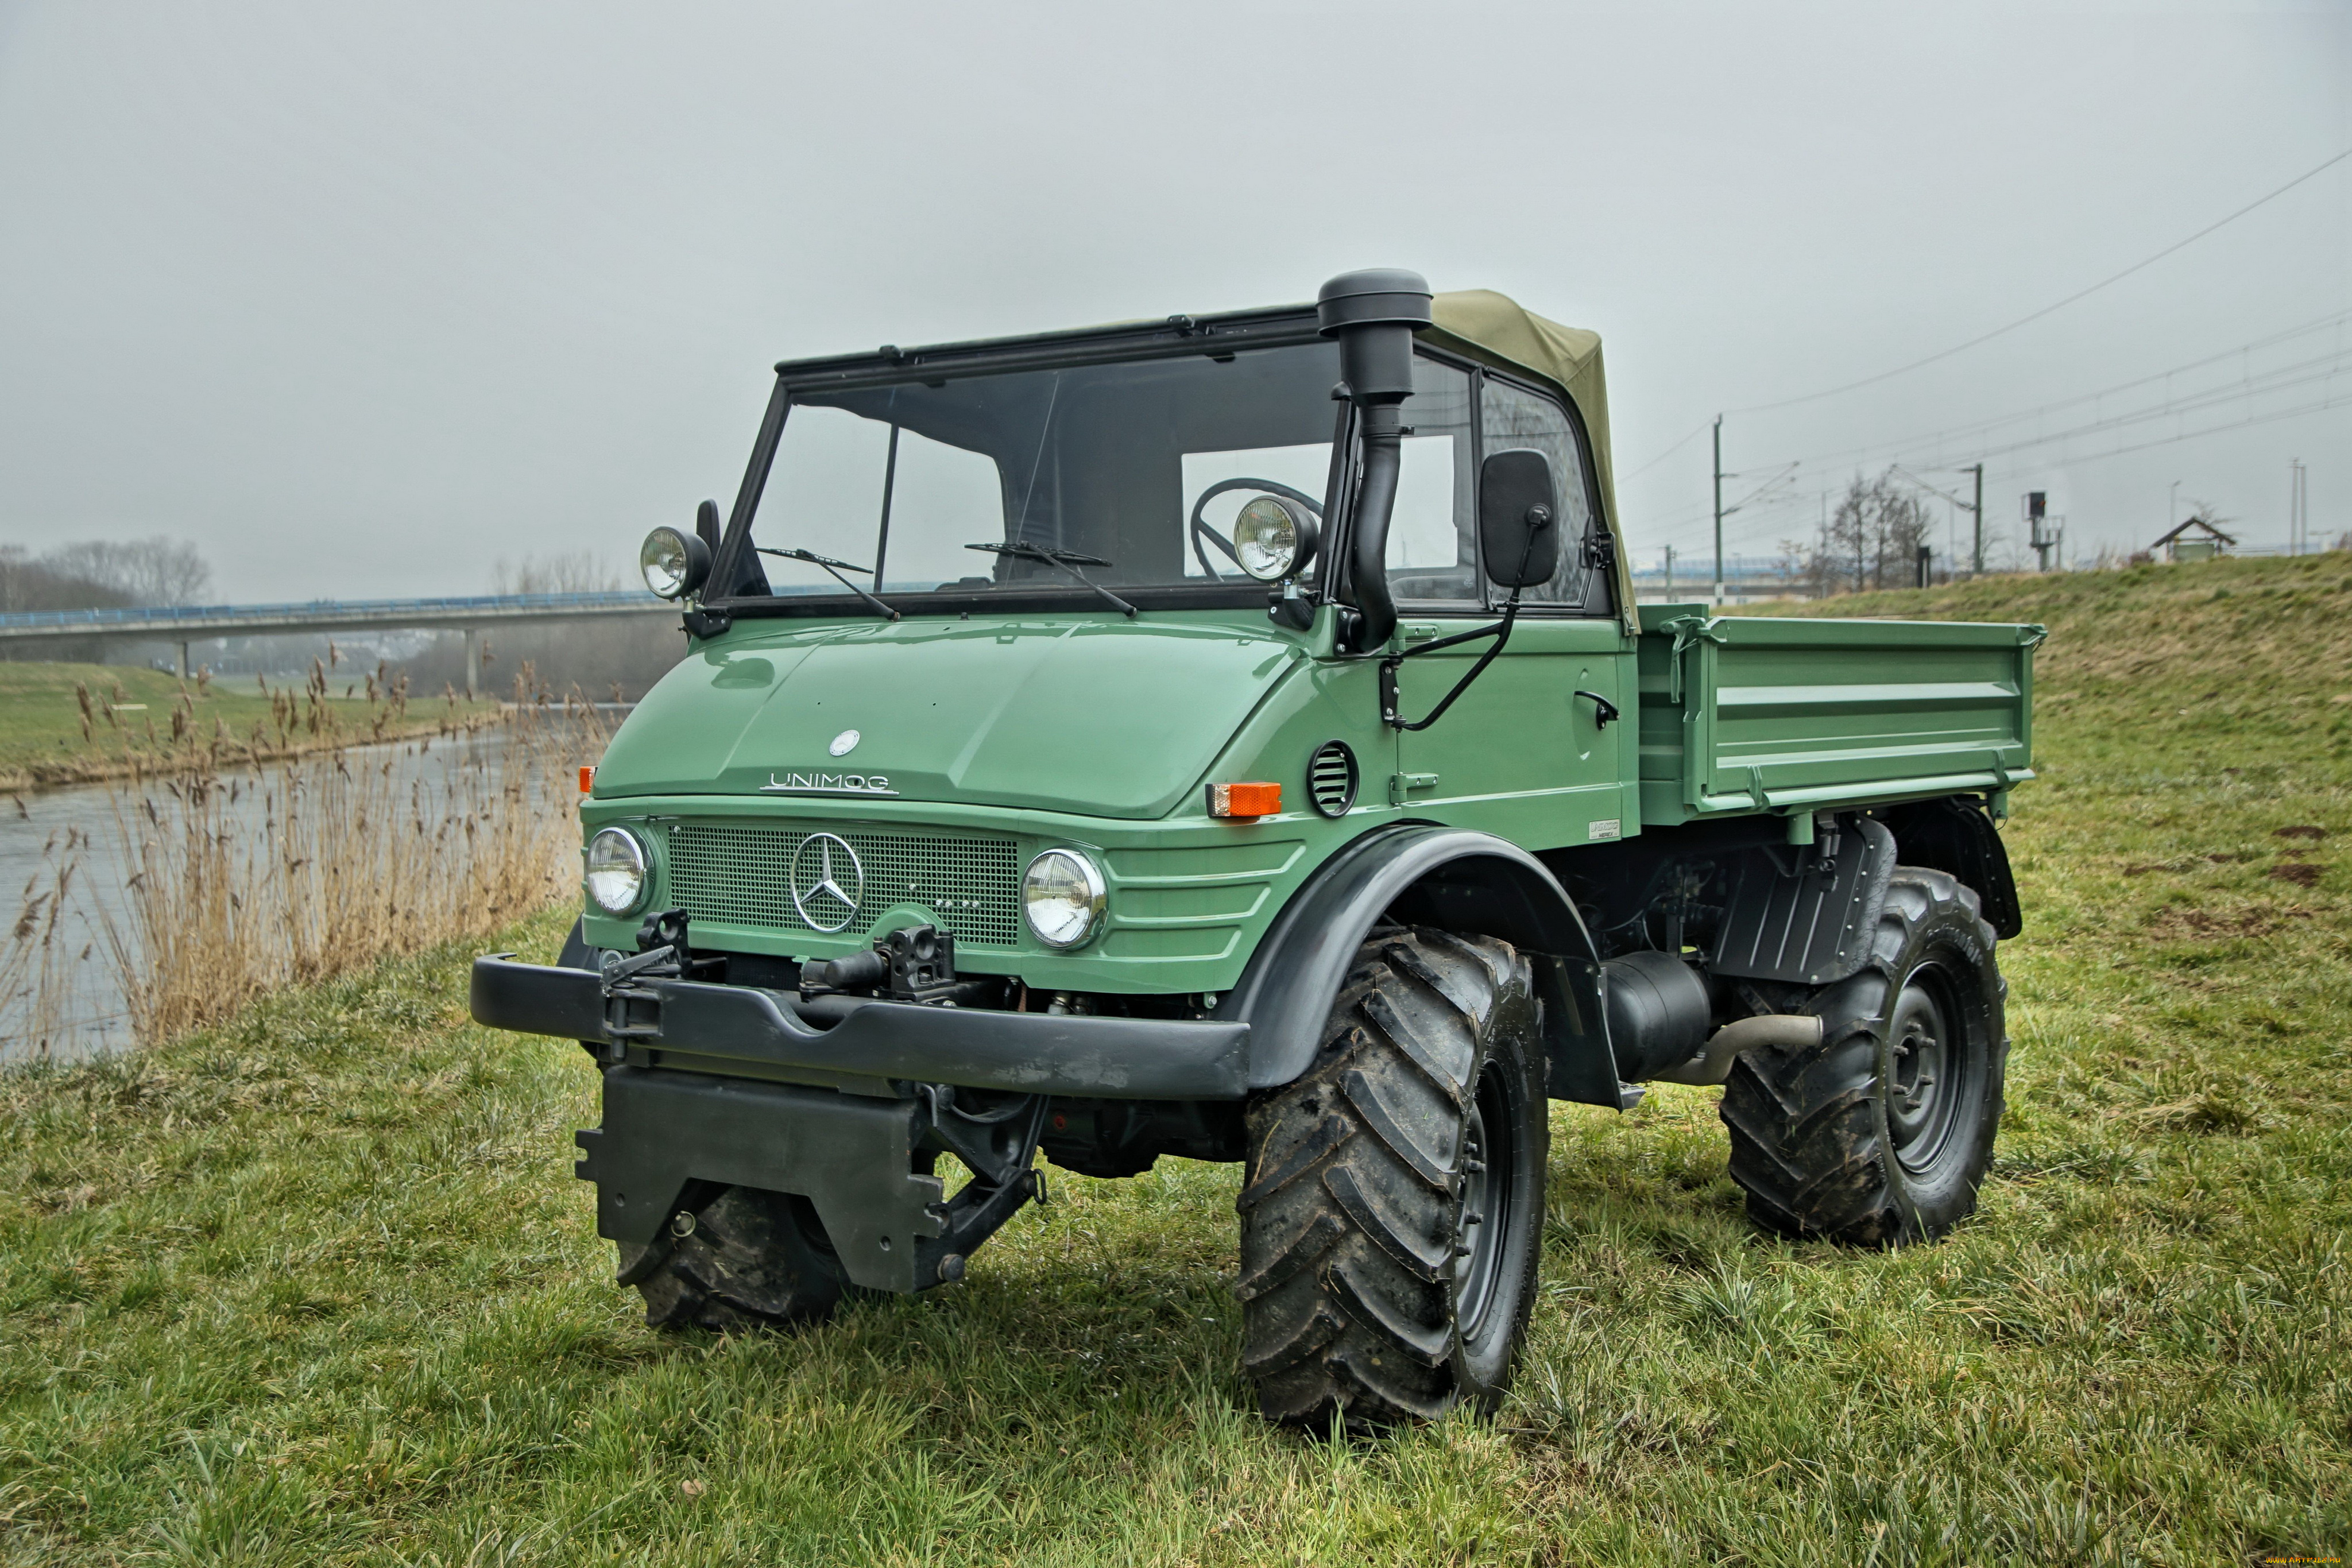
column 1447, row 877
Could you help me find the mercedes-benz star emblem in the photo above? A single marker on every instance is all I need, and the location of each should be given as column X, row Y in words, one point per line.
column 845, row 742
column 827, row 882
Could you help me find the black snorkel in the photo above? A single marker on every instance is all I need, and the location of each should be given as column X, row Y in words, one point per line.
column 1374, row 314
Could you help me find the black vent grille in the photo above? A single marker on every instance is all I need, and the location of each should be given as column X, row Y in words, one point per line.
column 1331, row 779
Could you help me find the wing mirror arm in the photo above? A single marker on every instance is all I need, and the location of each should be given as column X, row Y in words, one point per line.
column 1517, row 506
column 1500, row 632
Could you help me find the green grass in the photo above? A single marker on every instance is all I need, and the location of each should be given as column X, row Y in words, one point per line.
column 318, row 1288
column 41, row 739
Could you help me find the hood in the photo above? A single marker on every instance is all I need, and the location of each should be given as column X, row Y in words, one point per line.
column 1117, row 719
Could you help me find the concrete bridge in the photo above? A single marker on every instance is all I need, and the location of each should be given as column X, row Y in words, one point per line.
column 185, row 623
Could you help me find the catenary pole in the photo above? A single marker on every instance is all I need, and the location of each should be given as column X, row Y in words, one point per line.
column 1719, row 508
column 1978, row 557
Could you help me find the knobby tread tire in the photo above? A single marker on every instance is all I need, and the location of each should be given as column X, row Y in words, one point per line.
column 1810, row 1140
column 1352, row 1201
column 753, row 1260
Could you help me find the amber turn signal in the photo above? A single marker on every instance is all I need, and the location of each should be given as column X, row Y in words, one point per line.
column 1245, row 799
column 587, row 777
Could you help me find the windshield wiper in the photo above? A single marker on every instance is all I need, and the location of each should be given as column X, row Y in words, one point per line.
column 1068, row 561
column 835, row 568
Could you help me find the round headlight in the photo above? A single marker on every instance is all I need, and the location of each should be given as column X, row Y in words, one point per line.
column 675, row 562
column 1063, row 898
column 615, row 878
column 1273, row 538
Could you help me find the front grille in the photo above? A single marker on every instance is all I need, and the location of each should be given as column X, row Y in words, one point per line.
column 1331, row 779
column 740, row 876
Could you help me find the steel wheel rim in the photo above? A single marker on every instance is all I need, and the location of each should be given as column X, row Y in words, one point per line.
column 1487, row 1202
column 1925, row 1065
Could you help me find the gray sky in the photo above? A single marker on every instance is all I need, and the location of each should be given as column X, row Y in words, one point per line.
column 361, row 300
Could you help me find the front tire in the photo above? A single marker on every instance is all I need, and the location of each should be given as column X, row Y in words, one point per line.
column 1881, row 1133
column 1392, row 1208
column 744, row 1259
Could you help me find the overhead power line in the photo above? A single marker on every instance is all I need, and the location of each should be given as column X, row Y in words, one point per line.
column 2325, row 369
column 1629, row 477
column 2060, row 305
column 1955, row 436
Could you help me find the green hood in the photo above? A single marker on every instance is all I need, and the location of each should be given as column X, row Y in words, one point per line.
column 1107, row 719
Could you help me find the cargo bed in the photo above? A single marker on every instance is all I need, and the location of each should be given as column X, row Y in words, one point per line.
column 1746, row 714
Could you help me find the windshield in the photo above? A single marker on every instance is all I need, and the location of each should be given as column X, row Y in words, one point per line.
column 1102, row 462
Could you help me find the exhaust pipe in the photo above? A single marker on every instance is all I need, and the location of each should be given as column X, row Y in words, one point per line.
column 1374, row 314
column 1790, row 1031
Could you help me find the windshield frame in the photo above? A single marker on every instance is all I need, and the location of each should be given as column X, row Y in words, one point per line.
column 1217, row 337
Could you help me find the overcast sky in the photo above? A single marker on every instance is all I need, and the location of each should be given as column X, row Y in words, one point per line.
column 363, row 298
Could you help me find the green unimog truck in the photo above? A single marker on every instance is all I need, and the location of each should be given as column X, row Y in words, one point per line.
column 1234, row 737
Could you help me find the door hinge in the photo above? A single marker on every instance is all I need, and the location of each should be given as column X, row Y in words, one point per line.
column 1400, row 785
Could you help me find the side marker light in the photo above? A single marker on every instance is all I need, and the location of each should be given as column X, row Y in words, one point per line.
column 1245, row 799
column 587, row 777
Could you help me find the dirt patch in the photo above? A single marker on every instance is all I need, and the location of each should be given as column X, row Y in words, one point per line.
column 2299, row 830
column 2296, row 871
column 2176, row 924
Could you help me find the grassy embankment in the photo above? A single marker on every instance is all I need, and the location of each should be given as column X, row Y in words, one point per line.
column 45, row 739
column 317, row 1286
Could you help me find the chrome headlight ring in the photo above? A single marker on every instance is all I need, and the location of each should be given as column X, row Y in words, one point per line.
column 1064, row 898
column 616, row 873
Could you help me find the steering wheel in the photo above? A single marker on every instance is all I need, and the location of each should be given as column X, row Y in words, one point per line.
column 1200, row 530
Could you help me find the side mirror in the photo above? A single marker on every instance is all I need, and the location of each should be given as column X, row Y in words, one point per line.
column 1518, row 511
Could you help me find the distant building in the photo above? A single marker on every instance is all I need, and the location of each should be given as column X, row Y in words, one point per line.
column 2204, row 544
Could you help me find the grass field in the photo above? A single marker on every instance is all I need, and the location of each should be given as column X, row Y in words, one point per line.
column 317, row 1287
column 44, row 741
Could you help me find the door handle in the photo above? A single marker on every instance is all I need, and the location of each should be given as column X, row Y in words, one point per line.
column 1603, row 710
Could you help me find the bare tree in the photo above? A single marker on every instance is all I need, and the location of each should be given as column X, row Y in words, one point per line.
column 29, row 584
column 144, row 571
column 565, row 572
column 1872, row 540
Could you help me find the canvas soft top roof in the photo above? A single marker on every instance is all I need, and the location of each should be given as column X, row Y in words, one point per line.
column 1480, row 324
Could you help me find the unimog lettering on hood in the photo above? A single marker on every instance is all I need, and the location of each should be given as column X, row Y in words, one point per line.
column 799, row 783
column 1261, row 757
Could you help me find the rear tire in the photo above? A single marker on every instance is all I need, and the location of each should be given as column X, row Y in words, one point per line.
column 1881, row 1133
column 746, row 1259
column 1392, row 1208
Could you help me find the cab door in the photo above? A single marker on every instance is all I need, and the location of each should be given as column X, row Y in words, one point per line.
column 1532, row 750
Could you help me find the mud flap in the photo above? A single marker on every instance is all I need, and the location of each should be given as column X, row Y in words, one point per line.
column 1811, row 921
column 1582, row 1060
column 853, row 1158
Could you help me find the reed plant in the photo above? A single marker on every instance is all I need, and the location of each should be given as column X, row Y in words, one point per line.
column 44, row 952
column 315, row 846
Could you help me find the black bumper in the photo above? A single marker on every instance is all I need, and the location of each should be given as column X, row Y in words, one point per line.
column 1033, row 1053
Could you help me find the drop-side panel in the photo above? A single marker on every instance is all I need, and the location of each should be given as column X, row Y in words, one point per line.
column 1751, row 713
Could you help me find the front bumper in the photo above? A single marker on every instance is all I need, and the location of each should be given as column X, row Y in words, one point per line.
column 690, row 1024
